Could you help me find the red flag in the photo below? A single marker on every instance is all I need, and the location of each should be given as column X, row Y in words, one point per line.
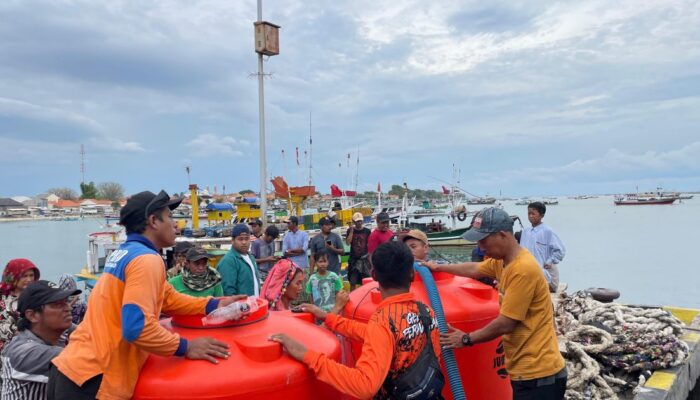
column 379, row 187
column 445, row 190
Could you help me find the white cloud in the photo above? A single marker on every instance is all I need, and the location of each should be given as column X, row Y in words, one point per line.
column 114, row 144
column 586, row 100
column 591, row 28
column 614, row 163
column 19, row 108
column 207, row 144
column 21, row 154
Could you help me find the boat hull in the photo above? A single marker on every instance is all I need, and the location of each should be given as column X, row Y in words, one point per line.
column 448, row 238
column 643, row 202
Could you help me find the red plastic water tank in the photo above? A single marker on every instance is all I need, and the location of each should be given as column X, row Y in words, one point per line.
column 257, row 368
column 468, row 305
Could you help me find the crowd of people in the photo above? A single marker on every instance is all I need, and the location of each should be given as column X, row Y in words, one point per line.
column 55, row 345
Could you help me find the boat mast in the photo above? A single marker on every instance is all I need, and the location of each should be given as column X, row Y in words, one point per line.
column 311, row 182
column 357, row 170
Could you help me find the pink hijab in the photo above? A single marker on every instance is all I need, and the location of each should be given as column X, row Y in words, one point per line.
column 276, row 283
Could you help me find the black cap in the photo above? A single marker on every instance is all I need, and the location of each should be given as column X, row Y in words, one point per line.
column 324, row 221
column 197, row 254
column 38, row 293
column 255, row 221
column 141, row 205
column 383, row 217
column 272, row 232
column 182, row 247
column 293, row 219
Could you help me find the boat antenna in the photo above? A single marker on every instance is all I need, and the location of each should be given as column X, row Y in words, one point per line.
column 82, row 164
column 357, row 170
column 311, row 181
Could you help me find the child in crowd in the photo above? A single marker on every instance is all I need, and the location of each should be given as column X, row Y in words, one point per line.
column 323, row 285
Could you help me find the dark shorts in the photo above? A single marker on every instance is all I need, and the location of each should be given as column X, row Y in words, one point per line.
column 358, row 269
column 60, row 387
column 550, row 387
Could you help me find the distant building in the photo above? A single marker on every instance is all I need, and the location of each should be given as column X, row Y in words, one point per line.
column 27, row 201
column 12, row 208
column 93, row 206
column 66, row 206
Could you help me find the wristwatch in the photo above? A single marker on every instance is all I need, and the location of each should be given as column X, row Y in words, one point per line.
column 466, row 340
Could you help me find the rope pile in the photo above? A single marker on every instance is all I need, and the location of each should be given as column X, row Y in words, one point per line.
column 612, row 348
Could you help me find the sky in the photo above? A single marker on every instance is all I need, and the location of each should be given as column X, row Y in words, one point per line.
column 525, row 98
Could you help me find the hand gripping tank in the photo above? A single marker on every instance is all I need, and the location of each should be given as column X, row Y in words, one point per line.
column 469, row 305
column 257, row 368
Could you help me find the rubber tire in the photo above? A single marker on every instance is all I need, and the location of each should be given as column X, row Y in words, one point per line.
column 603, row 295
column 462, row 216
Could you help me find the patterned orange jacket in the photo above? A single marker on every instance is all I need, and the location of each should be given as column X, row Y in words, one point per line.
column 392, row 340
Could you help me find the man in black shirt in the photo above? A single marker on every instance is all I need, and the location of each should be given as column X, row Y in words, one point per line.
column 358, row 262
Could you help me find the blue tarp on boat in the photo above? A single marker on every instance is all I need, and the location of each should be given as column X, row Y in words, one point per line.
column 219, row 207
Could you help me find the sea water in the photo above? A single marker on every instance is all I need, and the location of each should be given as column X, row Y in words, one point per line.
column 646, row 252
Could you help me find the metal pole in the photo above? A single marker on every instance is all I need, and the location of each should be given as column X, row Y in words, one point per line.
column 261, row 107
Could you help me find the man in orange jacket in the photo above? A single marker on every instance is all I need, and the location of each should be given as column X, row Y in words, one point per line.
column 108, row 349
column 393, row 339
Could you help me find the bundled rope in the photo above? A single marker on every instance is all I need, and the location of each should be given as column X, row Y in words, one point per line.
column 612, row 348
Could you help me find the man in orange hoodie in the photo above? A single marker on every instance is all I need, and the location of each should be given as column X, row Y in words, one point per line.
column 108, row 349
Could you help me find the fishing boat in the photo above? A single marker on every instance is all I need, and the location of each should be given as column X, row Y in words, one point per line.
column 452, row 237
column 481, row 200
column 634, row 200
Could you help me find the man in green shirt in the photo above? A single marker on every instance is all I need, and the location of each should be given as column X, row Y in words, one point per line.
column 239, row 272
column 197, row 278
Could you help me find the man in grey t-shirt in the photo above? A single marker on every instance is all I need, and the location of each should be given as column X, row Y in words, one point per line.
column 329, row 241
column 263, row 250
column 45, row 316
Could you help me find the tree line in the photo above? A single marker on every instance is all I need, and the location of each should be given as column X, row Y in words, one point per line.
column 103, row 191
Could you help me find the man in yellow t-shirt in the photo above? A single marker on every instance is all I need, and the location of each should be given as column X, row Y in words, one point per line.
column 526, row 322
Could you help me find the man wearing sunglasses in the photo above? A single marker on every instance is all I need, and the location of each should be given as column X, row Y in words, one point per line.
column 120, row 329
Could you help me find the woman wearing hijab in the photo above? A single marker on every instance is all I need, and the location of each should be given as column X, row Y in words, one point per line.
column 66, row 282
column 283, row 285
column 18, row 273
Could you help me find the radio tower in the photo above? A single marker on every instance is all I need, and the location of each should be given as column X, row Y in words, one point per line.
column 82, row 164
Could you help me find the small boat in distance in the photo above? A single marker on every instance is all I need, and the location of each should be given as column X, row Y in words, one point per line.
column 481, row 200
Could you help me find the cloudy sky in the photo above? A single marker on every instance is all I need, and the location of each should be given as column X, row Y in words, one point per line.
column 525, row 97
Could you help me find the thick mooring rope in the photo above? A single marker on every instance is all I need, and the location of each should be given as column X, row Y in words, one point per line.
column 613, row 348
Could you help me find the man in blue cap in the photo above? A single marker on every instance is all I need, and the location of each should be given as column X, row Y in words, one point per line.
column 239, row 272
column 526, row 323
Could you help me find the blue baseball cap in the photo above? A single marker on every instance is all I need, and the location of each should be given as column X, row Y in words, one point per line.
column 487, row 221
column 239, row 230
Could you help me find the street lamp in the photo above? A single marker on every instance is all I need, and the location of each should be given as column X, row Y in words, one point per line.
column 266, row 43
